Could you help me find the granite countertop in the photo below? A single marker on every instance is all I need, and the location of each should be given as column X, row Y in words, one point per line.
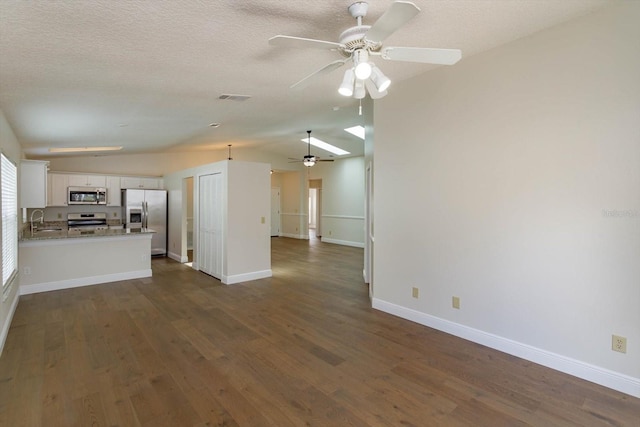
column 63, row 233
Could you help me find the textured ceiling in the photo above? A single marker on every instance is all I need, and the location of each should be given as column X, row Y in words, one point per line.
column 147, row 74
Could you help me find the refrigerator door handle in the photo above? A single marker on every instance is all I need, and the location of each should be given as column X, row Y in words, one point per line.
column 145, row 208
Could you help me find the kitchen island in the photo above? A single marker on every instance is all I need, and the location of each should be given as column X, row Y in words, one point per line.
column 59, row 259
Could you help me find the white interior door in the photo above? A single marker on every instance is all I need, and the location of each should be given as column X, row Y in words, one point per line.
column 275, row 212
column 210, row 210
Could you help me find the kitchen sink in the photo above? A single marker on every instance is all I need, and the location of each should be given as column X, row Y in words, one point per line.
column 48, row 229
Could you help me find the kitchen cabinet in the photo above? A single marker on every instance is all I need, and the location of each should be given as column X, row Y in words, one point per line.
column 57, row 194
column 114, row 196
column 140, row 182
column 87, row 181
column 33, row 183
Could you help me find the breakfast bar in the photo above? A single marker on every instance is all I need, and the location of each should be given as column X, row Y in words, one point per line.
column 53, row 259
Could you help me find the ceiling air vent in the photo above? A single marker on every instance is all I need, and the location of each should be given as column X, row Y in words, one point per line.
column 231, row 97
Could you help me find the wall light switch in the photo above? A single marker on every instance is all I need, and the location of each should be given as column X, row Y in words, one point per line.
column 261, row 220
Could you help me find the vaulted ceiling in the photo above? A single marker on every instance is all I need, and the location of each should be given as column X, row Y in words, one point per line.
column 149, row 74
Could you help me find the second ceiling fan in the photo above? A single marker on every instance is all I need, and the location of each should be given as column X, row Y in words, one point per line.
column 309, row 160
column 360, row 43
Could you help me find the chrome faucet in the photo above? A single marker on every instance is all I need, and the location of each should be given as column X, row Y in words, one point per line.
column 41, row 219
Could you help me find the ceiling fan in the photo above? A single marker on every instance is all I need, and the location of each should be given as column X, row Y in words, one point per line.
column 309, row 160
column 360, row 43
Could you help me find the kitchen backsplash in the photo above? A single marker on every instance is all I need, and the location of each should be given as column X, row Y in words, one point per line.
column 60, row 214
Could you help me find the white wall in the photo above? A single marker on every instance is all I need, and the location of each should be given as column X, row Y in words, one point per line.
column 496, row 180
column 342, row 200
column 248, row 218
column 293, row 199
column 9, row 301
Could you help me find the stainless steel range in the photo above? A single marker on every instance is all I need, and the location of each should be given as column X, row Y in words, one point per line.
column 87, row 222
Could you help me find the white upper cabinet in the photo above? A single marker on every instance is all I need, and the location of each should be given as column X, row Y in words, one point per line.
column 139, row 182
column 57, row 185
column 87, row 180
column 114, row 198
column 33, row 183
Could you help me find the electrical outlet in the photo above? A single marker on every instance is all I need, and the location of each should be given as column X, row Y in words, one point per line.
column 115, row 214
column 261, row 220
column 414, row 292
column 59, row 215
column 618, row 343
column 455, row 302
column 26, row 271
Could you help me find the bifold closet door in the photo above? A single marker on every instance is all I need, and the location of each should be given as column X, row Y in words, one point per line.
column 210, row 210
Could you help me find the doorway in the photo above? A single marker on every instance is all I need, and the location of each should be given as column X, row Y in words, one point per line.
column 315, row 208
column 187, row 216
column 275, row 212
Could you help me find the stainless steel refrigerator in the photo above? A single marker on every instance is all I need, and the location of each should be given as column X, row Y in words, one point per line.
column 147, row 209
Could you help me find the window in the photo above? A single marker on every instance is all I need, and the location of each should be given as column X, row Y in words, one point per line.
column 9, row 183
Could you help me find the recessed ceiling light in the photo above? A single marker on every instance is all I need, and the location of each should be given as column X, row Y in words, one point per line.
column 214, row 125
column 357, row 131
column 83, row 149
column 325, row 146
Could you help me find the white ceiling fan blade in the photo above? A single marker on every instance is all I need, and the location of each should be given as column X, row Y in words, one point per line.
column 374, row 93
column 299, row 42
column 324, row 70
column 422, row 54
column 395, row 17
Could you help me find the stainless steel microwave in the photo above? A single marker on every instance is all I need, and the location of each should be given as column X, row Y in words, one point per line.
column 87, row 196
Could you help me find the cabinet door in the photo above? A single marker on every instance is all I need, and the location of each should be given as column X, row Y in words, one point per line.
column 87, row 180
column 114, row 198
column 151, row 183
column 33, row 184
column 57, row 189
column 141, row 183
column 97, row 181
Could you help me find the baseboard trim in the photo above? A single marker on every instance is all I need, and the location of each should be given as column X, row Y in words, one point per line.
column 7, row 323
column 342, row 242
column 245, row 277
column 605, row 377
column 84, row 281
column 177, row 257
column 295, row 236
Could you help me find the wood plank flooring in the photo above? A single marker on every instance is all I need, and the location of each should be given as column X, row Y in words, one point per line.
column 302, row 348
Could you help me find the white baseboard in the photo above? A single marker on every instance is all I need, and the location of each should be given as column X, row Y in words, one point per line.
column 7, row 323
column 342, row 242
column 84, row 281
column 245, row 277
column 177, row 257
column 605, row 377
column 295, row 236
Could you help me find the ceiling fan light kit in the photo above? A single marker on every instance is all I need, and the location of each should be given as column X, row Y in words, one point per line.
column 362, row 68
column 359, row 91
column 346, row 88
column 381, row 81
column 357, row 44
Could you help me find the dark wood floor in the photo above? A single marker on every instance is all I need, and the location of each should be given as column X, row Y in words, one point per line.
column 301, row 348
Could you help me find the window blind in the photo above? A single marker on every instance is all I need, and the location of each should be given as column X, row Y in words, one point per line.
column 9, row 184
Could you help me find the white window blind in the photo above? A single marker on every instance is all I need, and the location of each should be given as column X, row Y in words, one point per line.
column 9, row 183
